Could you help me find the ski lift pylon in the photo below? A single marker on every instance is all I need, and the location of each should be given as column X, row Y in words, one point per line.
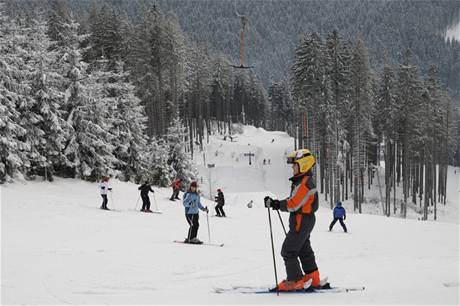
column 243, row 23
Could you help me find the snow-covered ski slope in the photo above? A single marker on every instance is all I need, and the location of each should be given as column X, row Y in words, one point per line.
column 59, row 248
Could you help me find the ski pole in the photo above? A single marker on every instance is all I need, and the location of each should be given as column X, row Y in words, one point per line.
column 209, row 231
column 282, row 224
column 156, row 203
column 137, row 202
column 273, row 250
column 113, row 202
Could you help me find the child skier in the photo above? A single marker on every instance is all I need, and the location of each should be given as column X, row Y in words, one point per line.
column 192, row 203
column 301, row 204
column 220, row 203
column 339, row 214
column 145, row 188
column 104, row 187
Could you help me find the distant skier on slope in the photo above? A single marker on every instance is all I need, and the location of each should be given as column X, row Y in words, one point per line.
column 192, row 203
column 220, row 200
column 339, row 214
column 145, row 188
column 176, row 185
column 104, row 187
column 302, row 204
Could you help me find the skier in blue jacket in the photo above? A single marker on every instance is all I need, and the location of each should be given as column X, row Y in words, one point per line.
column 192, row 205
column 339, row 215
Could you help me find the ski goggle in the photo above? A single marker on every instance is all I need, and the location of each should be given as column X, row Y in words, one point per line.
column 293, row 159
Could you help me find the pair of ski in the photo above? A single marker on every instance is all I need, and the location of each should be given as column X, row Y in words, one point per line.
column 324, row 287
column 147, row 212
column 152, row 212
column 203, row 243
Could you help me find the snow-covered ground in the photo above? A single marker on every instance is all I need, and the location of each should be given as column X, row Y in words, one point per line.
column 59, row 248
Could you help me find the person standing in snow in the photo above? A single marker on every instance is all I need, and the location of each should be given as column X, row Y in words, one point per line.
column 220, row 203
column 176, row 185
column 339, row 214
column 104, row 187
column 302, row 205
column 192, row 204
column 145, row 188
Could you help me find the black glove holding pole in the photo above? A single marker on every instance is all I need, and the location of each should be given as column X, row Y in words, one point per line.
column 269, row 202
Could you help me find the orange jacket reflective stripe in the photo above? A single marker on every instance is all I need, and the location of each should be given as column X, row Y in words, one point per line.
column 301, row 197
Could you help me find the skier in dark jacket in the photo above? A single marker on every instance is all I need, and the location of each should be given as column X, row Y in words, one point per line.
column 302, row 204
column 220, row 203
column 339, row 214
column 145, row 188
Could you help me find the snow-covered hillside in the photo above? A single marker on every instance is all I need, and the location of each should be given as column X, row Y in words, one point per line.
column 59, row 248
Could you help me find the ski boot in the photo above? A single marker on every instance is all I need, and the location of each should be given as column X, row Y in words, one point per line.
column 195, row 241
column 287, row 285
column 314, row 276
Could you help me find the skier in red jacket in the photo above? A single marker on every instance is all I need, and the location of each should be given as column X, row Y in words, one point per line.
column 176, row 185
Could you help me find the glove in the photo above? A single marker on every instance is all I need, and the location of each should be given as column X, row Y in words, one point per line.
column 267, row 201
column 274, row 204
column 206, row 209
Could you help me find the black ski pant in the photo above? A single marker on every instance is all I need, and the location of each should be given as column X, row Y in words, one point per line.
column 192, row 220
column 296, row 246
column 145, row 202
column 220, row 210
column 175, row 194
column 104, row 201
column 341, row 223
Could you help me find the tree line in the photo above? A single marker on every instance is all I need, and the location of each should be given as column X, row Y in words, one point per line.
column 112, row 97
column 353, row 117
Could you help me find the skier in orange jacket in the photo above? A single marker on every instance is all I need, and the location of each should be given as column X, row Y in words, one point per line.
column 302, row 205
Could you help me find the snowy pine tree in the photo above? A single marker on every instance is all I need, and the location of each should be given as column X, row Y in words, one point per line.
column 362, row 109
column 161, row 172
column 43, row 116
column 125, row 119
column 180, row 160
column 12, row 92
column 88, row 147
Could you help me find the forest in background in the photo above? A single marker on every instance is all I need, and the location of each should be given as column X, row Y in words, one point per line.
column 387, row 27
column 120, row 88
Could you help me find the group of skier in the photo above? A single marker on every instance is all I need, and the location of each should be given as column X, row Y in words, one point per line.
column 191, row 202
column 297, row 253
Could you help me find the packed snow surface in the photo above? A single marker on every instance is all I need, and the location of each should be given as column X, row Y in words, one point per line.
column 59, row 248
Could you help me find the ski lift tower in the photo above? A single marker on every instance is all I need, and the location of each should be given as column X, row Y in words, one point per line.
column 243, row 24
